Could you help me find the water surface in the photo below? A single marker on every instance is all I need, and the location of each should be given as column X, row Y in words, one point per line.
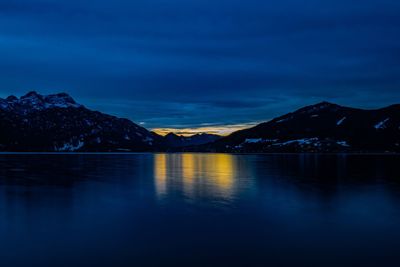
column 199, row 210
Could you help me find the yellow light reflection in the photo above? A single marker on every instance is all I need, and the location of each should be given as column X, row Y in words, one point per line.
column 196, row 175
column 223, row 170
column 160, row 171
column 189, row 170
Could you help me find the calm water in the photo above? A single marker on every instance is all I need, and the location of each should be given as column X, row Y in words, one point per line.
column 199, row 210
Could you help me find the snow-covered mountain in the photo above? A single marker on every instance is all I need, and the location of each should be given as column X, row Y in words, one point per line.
column 324, row 127
column 56, row 122
column 33, row 101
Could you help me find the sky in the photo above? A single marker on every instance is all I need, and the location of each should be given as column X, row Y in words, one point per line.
column 202, row 65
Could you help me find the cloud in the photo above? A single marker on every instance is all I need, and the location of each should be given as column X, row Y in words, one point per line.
column 183, row 63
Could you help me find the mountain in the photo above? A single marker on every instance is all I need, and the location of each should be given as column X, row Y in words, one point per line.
column 174, row 141
column 56, row 122
column 324, row 127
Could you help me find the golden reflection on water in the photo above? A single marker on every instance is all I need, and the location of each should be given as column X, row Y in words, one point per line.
column 160, row 170
column 189, row 171
column 196, row 175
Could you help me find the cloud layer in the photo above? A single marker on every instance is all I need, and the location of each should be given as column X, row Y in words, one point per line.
column 200, row 63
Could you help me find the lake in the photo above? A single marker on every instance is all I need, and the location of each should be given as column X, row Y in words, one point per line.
column 199, row 210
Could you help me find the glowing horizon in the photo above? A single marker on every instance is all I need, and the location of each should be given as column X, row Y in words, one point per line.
column 222, row 130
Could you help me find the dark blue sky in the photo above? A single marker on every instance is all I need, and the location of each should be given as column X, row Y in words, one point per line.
column 191, row 63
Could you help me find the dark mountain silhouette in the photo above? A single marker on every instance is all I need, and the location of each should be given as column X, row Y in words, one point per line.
column 174, row 141
column 56, row 122
column 324, row 127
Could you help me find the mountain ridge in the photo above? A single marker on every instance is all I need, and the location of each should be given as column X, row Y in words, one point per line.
column 173, row 140
column 56, row 122
column 36, row 122
column 322, row 127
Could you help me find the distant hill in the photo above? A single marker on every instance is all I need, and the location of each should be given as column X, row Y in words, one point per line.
column 324, row 127
column 176, row 141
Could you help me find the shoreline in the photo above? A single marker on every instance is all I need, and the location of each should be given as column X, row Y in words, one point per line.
column 229, row 153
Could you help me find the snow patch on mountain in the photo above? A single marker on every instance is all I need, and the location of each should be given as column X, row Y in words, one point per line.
column 313, row 141
column 253, row 140
column 302, row 141
column 342, row 143
column 282, row 120
column 381, row 124
column 33, row 101
column 70, row 146
column 148, row 140
column 259, row 140
column 341, row 121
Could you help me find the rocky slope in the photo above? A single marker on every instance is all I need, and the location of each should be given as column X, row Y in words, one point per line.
column 324, row 127
column 56, row 122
